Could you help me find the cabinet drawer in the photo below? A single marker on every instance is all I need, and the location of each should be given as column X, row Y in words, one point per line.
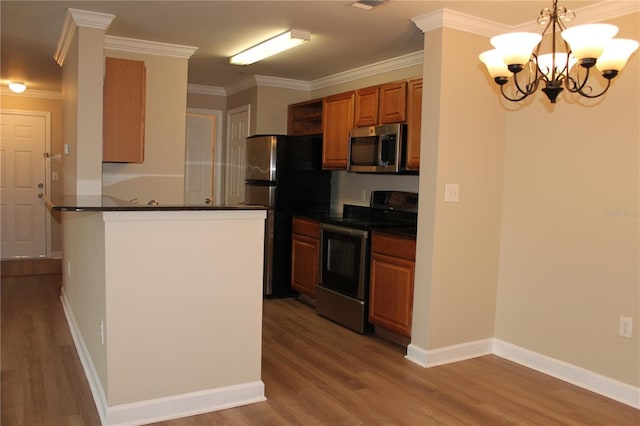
column 393, row 245
column 306, row 227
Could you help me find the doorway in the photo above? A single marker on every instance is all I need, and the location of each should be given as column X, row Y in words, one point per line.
column 237, row 132
column 203, row 183
column 25, row 140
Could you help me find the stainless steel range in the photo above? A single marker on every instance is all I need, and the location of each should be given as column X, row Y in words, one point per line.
column 343, row 292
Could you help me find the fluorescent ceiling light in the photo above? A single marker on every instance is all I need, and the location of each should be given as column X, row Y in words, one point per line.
column 17, row 86
column 270, row 47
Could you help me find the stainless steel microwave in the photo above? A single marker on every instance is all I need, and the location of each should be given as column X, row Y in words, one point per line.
column 378, row 149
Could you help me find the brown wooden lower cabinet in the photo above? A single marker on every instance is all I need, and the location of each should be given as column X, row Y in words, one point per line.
column 391, row 282
column 305, row 256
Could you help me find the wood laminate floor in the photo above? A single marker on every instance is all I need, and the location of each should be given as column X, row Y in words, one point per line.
column 315, row 373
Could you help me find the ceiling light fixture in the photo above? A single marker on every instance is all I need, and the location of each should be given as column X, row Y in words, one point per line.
column 17, row 86
column 270, row 47
column 586, row 45
column 367, row 4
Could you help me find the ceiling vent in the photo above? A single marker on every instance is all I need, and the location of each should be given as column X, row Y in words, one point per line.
column 367, row 4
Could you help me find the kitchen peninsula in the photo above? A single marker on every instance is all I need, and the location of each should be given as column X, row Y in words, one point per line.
column 164, row 304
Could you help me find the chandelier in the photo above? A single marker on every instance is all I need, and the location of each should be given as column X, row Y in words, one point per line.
column 518, row 55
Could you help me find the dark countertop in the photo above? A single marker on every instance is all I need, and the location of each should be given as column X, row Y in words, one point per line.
column 88, row 203
column 404, row 231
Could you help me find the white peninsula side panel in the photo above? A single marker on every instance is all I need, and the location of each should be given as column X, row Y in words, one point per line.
column 166, row 309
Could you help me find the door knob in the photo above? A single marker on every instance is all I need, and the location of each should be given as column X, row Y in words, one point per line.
column 41, row 185
column 207, row 201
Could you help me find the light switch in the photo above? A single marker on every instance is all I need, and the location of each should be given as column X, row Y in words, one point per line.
column 451, row 192
column 67, row 149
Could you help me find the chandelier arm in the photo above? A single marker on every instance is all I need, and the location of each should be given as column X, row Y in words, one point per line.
column 524, row 95
column 530, row 88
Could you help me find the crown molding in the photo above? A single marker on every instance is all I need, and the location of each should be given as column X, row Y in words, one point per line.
column 284, row 83
column 404, row 61
column 447, row 18
column 148, row 47
column 30, row 93
column 79, row 18
column 200, row 89
column 484, row 27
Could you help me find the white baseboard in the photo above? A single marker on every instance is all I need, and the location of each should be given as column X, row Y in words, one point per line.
column 449, row 354
column 578, row 376
column 85, row 359
column 155, row 410
column 190, row 404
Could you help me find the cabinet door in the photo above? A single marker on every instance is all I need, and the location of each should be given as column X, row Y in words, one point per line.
column 305, row 255
column 337, row 121
column 366, row 112
column 391, row 293
column 393, row 102
column 123, row 111
column 414, row 123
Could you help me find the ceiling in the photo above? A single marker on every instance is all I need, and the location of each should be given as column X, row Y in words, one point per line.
column 342, row 37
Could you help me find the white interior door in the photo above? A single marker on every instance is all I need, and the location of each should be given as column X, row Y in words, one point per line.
column 199, row 158
column 237, row 132
column 23, row 215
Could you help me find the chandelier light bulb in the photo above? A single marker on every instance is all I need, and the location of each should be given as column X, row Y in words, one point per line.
column 495, row 65
column 516, row 48
column 545, row 64
column 616, row 54
column 588, row 41
column 17, row 86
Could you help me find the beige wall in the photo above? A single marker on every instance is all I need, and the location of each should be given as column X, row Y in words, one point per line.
column 54, row 107
column 569, row 263
column 462, row 143
column 271, row 112
column 161, row 176
column 82, row 78
column 202, row 101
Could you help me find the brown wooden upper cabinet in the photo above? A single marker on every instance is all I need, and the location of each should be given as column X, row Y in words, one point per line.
column 123, row 111
column 337, row 121
column 305, row 118
column 383, row 104
column 414, row 123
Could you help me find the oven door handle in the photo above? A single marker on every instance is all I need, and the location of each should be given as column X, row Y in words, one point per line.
column 344, row 230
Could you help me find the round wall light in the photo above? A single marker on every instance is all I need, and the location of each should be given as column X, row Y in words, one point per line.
column 17, row 86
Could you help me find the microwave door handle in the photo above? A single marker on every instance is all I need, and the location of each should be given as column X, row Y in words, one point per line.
column 380, row 150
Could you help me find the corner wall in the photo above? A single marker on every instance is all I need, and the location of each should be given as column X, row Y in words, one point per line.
column 458, row 242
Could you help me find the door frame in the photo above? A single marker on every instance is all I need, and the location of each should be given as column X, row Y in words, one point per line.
column 218, row 169
column 47, row 167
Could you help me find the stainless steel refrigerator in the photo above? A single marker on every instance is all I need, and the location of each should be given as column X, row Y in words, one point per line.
column 285, row 174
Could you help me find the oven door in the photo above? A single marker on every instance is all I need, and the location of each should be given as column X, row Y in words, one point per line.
column 344, row 260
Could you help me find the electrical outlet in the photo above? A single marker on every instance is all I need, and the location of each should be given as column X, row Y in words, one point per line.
column 68, row 269
column 625, row 327
column 101, row 332
column 452, row 192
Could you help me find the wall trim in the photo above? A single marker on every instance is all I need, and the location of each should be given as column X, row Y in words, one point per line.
column 189, row 404
column 159, row 409
column 30, row 93
column 97, row 390
column 400, row 62
column 79, row 18
column 448, row 354
column 448, row 18
column 200, row 89
column 148, row 47
column 573, row 374
column 587, row 379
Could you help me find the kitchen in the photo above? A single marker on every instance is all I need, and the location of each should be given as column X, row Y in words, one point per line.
column 450, row 309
